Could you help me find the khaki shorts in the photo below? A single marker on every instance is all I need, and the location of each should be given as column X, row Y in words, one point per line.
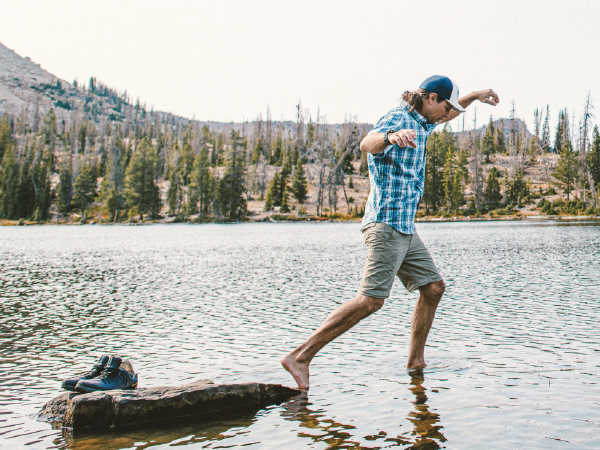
column 393, row 253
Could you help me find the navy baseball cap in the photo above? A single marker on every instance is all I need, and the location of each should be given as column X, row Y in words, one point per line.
column 444, row 88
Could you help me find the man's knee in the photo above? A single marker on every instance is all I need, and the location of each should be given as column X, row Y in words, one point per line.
column 370, row 304
column 434, row 291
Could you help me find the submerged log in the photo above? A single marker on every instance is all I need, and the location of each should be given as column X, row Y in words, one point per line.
column 120, row 408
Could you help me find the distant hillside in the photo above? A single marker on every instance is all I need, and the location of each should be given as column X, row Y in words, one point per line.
column 518, row 125
column 28, row 90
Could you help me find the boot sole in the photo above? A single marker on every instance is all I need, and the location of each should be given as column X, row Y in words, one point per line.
column 86, row 390
column 67, row 387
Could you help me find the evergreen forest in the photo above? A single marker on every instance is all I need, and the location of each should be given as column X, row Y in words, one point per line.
column 109, row 159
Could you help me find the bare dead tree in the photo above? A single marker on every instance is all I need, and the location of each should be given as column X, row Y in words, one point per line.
column 261, row 171
column 585, row 129
column 476, row 169
column 513, row 143
column 299, row 135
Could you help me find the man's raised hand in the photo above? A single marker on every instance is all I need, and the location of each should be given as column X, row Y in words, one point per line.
column 488, row 96
column 403, row 138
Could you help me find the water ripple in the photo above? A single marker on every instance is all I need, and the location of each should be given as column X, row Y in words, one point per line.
column 513, row 352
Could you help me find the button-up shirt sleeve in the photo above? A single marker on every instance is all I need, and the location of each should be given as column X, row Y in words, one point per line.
column 397, row 174
column 394, row 120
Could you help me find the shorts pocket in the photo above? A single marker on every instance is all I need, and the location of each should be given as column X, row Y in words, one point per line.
column 385, row 257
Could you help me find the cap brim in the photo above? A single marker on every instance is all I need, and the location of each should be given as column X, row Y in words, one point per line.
column 456, row 107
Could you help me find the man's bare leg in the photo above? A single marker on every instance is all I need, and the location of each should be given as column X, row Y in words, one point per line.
column 422, row 318
column 338, row 322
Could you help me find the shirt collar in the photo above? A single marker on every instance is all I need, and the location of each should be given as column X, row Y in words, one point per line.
column 417, row 116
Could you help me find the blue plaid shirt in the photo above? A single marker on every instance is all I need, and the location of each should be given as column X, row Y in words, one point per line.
column 398, row 174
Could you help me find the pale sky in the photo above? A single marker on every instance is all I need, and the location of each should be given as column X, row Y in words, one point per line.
column 229, row 60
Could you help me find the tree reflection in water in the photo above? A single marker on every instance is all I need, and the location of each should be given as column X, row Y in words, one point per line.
column 336, row 435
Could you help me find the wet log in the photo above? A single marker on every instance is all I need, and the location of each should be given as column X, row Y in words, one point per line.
column 120, row 408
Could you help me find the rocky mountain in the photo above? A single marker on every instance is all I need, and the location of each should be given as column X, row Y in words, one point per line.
column 25, row 86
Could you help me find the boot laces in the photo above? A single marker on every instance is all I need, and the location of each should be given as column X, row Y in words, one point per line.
column 110, row 373
column 96, row 370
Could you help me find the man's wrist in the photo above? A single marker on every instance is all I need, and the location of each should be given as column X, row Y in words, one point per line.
column 386, row 137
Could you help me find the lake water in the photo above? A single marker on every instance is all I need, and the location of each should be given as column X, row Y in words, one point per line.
column 514, row 352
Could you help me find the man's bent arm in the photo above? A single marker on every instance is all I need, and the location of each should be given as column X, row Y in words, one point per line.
column 486, row 96
column 374, row 143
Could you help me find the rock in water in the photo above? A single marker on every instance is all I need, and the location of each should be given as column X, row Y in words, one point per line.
column 55, row 409
column 119, row 408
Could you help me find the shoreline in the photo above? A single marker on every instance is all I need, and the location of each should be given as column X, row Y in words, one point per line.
column 536, row 218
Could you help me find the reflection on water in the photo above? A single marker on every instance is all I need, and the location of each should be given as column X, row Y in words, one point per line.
column 513, row 352
column 321, row 429
column 315, row 424
column 186, row 432
column 427, row 433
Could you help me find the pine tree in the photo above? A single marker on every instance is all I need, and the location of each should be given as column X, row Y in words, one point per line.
column 594, row 157
column 272, row 191
column 82, row 136
column 26, row 188
column 500, row 142
column 202, row 182
column 230, row 189
column 310, row 132
column 9, row 184
column 350, row 182
column 258, row 151
column 40, row 174
column 277, row 154
column 110, row 200
column 493, row 196
column 174, row 194
column 50, row 128
column 284, row 201
column 221, row 199
column 546, row 132
column 300, row 185
column 558, row 139
column 140, row 190
column 185, row 163
column 434, row 176
column 5, row 136
column 488, row 144
column 113, row 183
column 214, row 155
column 84, row 190
column 462, row 163
column 449, row 176
column 283, row 181
column 458, row 194
column 566, row 169
column 532, row 148
column 64, row 188
column 517, row 188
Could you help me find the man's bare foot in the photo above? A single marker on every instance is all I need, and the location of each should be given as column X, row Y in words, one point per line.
column 298, row 370
column 417, row 365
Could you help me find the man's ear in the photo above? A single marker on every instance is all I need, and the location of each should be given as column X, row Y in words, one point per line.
column 433, row 98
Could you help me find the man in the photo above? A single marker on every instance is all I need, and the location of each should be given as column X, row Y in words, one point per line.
column 397, row 152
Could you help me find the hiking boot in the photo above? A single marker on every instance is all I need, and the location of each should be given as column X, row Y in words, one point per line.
column 70, row 383
column 117, row 374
